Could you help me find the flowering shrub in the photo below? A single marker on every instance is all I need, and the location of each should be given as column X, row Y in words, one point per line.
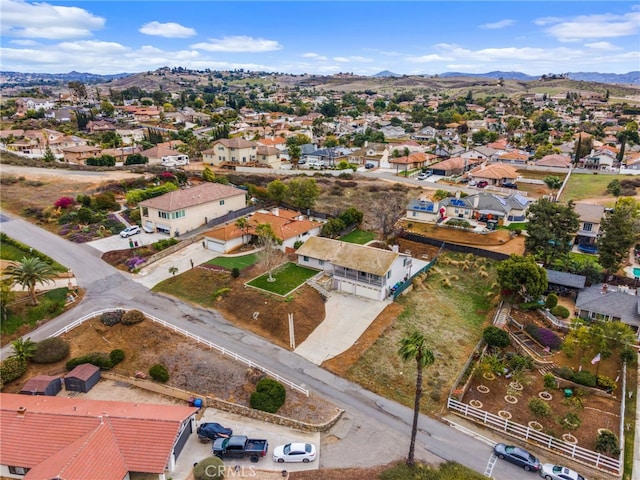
column 64, row 202
column 134, row 262
column 544, row 336
column 81, row 237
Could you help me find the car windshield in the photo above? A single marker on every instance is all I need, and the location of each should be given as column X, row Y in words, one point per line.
column 307, row 448
column 287, row 449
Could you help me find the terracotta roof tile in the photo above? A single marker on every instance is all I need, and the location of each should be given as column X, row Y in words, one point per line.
column 188, row 197
column 83, row 371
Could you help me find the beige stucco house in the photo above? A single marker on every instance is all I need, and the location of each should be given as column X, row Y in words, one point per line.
column 183, row 210
column 231, row 150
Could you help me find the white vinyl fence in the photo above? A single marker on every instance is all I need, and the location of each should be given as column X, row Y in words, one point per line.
column 209, row 344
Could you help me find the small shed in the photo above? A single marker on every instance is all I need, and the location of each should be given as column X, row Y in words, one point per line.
column 42, row 385
column 82, row 378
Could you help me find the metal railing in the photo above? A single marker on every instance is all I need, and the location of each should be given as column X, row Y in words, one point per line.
column 223, row 350
column 560, row 447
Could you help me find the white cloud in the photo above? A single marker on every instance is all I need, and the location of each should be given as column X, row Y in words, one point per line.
column 239, row 43
column 352, row 59
column 497, row 25
column 167, row 30
column 602, row 46
column 42, row 20
column 592, row 26
column 427, row 58
column 24, row 43
column 315, row 56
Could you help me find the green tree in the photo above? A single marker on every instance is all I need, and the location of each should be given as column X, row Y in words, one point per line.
column 107, row 108
column 48, row 155
column 303, row 193
column 496, row 337
column 413, row 347
column 554, row 183
column 28, row 273
column 630, row 133
column 208, row 175
column 210, row 468
column 6, row 297
column 295, row 152
column 617, row 237
column 614, row 187
column 277, row 190
column 136, row 159
column 550, row 230
column 242, row 224
column 24, row 348
column 270, row 255
column 173, row 270
column 522, row 275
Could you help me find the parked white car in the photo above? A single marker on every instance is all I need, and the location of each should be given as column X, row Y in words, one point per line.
column 549, row 471
column 294, row 452
column 132, row 230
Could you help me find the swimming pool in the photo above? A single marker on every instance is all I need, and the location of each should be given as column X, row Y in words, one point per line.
column 636, row 271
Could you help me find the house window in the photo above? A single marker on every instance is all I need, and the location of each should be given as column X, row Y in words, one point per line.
column 305, row 259
column 18, row 470
column 587, row 227
column 389, row 274
column 221, row 202
column 221, row 148
column 321, row 263
column 164, row 215
column 178, row 214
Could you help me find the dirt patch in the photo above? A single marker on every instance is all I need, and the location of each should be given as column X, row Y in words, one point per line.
column 340, row 473
column 192, row 367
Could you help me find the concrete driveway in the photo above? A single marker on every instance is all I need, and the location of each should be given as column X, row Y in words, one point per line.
column 347, row 317
column 116, row 242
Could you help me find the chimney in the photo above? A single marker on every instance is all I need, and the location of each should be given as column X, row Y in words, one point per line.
column 21, row 412
column 457, row 193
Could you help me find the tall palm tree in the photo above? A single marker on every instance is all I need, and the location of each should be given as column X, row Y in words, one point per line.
column 28, row 273
column 243, row 225
column 413, row 348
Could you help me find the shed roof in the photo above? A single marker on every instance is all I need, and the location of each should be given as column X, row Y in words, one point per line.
column 566, row 279
column 38, row 384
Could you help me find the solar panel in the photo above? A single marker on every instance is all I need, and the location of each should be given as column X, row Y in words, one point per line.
column 457, row 202
column 502, row 201
column 521, row 199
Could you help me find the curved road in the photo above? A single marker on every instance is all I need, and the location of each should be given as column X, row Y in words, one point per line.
column 373, row 431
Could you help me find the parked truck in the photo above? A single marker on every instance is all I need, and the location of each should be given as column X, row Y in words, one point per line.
column 239, row 446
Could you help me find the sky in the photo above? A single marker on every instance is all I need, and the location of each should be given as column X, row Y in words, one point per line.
column 321, row 37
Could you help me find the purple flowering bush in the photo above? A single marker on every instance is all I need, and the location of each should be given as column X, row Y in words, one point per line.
column 134, row 262
column 544, row 336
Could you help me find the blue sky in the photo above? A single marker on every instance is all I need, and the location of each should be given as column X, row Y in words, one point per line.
column 321, row 37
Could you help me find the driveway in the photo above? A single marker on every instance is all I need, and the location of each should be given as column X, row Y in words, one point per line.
column 347, row 317
column 116, row 242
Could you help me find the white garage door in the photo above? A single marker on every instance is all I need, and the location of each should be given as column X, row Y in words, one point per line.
column 215, row 246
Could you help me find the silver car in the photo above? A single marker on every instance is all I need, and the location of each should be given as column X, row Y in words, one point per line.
column 549, row 471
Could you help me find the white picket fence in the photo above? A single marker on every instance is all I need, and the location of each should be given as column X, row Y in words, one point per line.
column 495, row 422
column 187, row 334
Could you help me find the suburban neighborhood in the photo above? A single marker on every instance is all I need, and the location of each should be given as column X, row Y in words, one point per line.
column 307, row 266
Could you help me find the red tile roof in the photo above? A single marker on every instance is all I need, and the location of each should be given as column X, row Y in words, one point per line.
column 79, row 439
column 188, row 197
column 83, row 371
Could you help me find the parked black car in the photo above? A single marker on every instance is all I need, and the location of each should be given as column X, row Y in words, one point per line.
column 517, row 456
column 510, row 185
column 211, row 431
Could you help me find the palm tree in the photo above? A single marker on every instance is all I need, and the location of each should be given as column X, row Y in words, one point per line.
column 173, row 270
column 24, row 349
column 406, row 152
column 28, row 273
column 413, row 347
column 242, row 224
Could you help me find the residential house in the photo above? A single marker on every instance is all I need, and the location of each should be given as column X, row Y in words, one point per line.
column 131, row 136
column 120, row 153
column 268, row 156
column 495, row 173
column 80, row 439
column 424, row 135
column 230, row 151
column 183, row 210
column 100, row 126
column 480, row 152
column 376, row 153
column 23, row 105
column 59, row 114
column 554, row 160
column 481, row 207
column 453, row 166
column 80, row 153
column 606, row 303
column 393, row 132
column 513, row 157
column 413, row 161
column 327, row 156
column 632, row 163
column 155, row 154
column 590, row 219
column 357, row 269
column 602, row 159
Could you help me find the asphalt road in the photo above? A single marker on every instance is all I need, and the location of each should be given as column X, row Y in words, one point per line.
column 373, row 431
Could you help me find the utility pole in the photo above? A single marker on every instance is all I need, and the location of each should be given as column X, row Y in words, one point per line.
column 292, row 336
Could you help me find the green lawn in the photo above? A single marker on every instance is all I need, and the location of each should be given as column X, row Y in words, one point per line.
column 235, row 262
column 586, row 185
column 15, row 251
column 51, row 305
column 358, row 236
column 288, row 277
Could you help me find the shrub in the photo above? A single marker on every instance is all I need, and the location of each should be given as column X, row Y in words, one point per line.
column 235, row 272
column 529, row 306
column 131, row 317
column 549, row 380
column 99, row 359
column 269, row 395
column 560, row 311
column 564, row 372
column 496, row 337
column 519, row 362
column 539, row 407
column 585, row 378
column 112, row 317
column 11, row 369
column 64, row 202
column 210, row 468
column 116, row 356
column 552, row 301
column 543, row 336
column 570, row 421
column 159, row 373
column 164, row 244
column 51, row 350
column 607, row 443
column 605, row 382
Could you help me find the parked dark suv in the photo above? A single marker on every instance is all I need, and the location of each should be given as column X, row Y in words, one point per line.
column 510, row 185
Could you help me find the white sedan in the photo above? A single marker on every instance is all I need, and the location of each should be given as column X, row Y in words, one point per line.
column 550, row 471
column 294, row 452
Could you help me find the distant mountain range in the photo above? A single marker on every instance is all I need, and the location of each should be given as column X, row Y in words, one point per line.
column 631, row 78
column 34, row 79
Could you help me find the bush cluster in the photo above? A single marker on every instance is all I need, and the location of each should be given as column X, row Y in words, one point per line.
column 112, row 317
column 159, row 373
column 607, row 443
column 50, row 350
column 496, row 337
column 11, row 369
column 131, row 317
column 583, row 377
column 560, row 311
column 607, row 383
column 269, row 395
column 551, row 301
column 570, row 421
column 164, row 244
column 549, row 380
column 543, row 336
column 539, row 407
column 99, row 359
column 116, row 356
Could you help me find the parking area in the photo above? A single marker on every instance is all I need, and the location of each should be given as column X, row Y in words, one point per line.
column 195, row 450
column 116, row 242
